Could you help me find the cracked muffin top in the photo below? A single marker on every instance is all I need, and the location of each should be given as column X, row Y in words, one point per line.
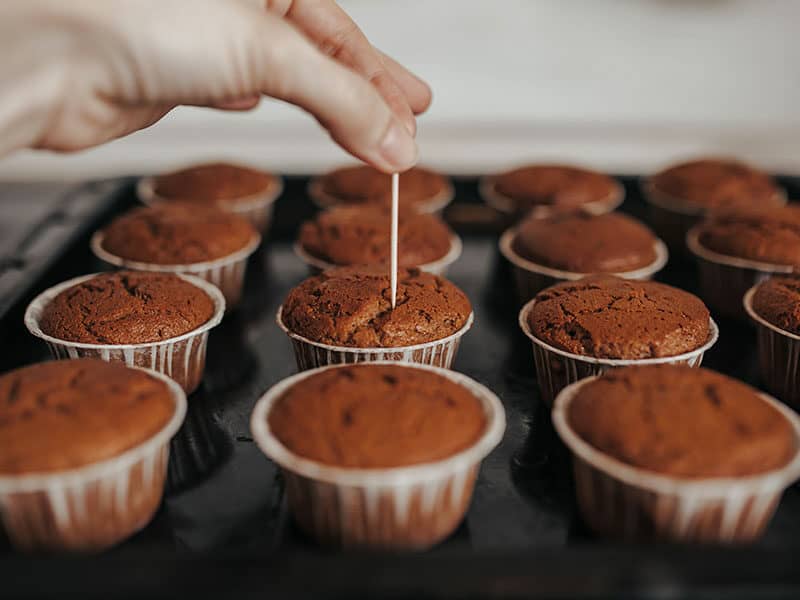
column 715, row 182
column 765, row 234
column 71, row 413
column 361, row 235
column 777, row 300
column 377, row 416
column 362, row 184
column 351, row 306
column 583, row 243
column 177, row 234
column 127, row 307
column 609, row 317
column 554, row 185
column 726, row 429
column 216, row 183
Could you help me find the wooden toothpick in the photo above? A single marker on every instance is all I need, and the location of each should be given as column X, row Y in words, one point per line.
column 395, row 211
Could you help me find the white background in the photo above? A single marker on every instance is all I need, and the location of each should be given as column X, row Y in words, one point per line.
column 624, row 85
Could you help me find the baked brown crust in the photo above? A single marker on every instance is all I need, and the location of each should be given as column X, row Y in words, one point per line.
column 218, row 183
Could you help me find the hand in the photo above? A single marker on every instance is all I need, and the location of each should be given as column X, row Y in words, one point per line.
column 76, row 74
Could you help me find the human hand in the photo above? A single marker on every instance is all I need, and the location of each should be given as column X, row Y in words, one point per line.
column 83, row 72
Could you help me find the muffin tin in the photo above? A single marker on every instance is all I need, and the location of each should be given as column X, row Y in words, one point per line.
column 522, row 529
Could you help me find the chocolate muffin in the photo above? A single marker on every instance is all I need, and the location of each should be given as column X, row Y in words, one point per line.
column 377, row 416
column 352, row 307
column 715, row 182
column 127, row 308
column 177, row 234
column 777, row 301
column 361, row 235
column 219, row 183
column 765, row 234
column 68, row 414
column 608, row 317
column 363, row 184
column 583, row 243
column 725, row 429
column 560, row 186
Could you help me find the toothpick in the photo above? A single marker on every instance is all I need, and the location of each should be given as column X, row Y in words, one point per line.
column 395, row 211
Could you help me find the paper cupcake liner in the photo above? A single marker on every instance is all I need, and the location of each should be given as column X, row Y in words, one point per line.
column 530, row 278
column 672, row 218
column 556, row 369
column 181, row 358
column 403, row 508
column 623, row 501
column 93, row 507
column 508, row 206
column 778, row 356
column 437, row 267
column 226, row 273
column 310, row 354
column 434, row 205
column 257, row 208
column 724, row 280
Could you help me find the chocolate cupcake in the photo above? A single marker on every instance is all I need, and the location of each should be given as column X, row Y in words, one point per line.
column 345, row 315
column 361, row 235
column 182, row 238
column 569, row 246
column 387, row 452
column 585, row 327
column 737, row 248
column 245, row 191
column 155, row 320
column 682, row 194
column 676, row 454
column 85, row 448
column 421, row 189
column 551, row 188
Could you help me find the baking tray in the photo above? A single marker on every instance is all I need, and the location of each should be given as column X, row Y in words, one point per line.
column 224, row 529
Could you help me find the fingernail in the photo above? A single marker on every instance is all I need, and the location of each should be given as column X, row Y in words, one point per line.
column 398, row 148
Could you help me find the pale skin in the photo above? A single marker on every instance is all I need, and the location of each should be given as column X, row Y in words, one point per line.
column 80, row 73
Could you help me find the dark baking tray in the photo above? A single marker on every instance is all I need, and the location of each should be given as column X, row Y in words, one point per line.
column 224, row 529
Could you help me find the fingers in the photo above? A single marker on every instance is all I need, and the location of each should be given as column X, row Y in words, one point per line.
column 337, row 35
column 417, row 92
column 353, row 111
column 238, row 104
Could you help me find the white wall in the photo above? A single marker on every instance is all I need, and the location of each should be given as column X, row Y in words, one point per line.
column 620, row 84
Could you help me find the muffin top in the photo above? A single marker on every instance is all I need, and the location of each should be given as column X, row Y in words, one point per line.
column 71, row 413
column 585, row 243
column 177, row 234
column 608, row 317
column 351, row 306
column 214, row 183
column 765, row 234
column 127, row 307
column 363, row 184
column 377, row 416
column 717, row 182
column 361, row 235
column 553, row 185
column 777, row 300
column 726, row 429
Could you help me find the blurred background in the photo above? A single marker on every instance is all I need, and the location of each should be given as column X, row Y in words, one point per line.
column 621, row 85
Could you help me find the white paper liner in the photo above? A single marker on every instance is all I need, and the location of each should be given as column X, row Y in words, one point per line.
column 778, row 355
column 724, row 280
column 310, row 354
column 620, row 500
column 556, row 368
column 256, row 208
column 181, row 358
column 434, row 205
column 530, row 278
column 227, row 273
column 90, row 508
column 508, row 206
column 437, row 267
column 403, row 508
